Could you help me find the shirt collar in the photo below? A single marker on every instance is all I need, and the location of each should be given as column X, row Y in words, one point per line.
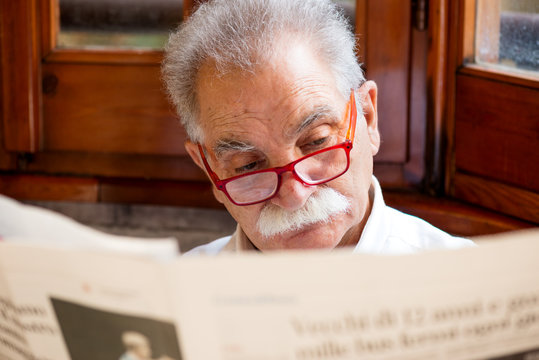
column 376, row 229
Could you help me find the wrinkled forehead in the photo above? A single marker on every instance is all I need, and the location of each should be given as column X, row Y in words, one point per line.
column 279, row 94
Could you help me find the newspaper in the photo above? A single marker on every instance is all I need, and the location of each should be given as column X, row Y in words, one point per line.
column 472, row 303
column 43, row 227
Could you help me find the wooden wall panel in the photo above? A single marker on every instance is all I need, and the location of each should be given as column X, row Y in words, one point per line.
column 7, row 159
column 140, row 191
column 417, row 128
column 108, row 108
column 499, row 197
column 111, row 190
column 116, row 165
column 387, row 63
column 497, row 131
column 38, row 187
column 453, row 216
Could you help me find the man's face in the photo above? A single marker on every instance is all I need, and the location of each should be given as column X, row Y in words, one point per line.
column 273, row 117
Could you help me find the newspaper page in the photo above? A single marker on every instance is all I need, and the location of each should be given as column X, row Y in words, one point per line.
column 42, row 227
column 12, row 339
column 75, row 305
column 473, row 303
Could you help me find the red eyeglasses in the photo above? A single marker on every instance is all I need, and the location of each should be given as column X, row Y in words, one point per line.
column 313, row 169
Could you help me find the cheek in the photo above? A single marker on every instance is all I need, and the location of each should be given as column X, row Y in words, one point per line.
column 246, row 216
column 361, row 159
column 219, row 195
column 355, row 183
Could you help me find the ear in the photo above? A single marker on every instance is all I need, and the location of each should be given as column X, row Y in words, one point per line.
column 368, row 95
column 192, row 150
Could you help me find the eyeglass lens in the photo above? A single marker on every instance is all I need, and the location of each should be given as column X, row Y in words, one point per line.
column 251, row 188
column 313, row 170
column 322, row 166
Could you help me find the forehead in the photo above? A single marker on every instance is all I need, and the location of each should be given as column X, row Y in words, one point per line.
column 276, row 95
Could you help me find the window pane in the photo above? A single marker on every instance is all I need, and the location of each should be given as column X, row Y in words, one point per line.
column 507, row 33
column 126, row 24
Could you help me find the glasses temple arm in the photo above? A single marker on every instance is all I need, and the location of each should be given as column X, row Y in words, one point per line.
column 213, row 175
column 353, row 117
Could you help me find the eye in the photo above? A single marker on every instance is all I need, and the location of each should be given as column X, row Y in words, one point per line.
column 319, row 142
column 314, row 145
column 248, row 167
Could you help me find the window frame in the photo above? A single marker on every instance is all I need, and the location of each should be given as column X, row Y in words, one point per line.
column 453, row 32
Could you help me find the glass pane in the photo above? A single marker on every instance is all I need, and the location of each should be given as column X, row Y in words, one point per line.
column 349, row 9
column 507, row 33
column 126, row 24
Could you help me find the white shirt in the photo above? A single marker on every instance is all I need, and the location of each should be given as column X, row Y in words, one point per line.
column 387, row 231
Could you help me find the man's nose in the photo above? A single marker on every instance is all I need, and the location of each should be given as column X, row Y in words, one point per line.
column 292, row 194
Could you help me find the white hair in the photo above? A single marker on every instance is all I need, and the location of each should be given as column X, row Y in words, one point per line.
column 242, row 34
column 321, row 207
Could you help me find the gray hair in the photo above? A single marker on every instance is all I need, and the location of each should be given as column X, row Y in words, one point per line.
column 242, row 34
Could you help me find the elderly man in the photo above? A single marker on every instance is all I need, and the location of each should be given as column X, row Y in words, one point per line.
column 280, row 117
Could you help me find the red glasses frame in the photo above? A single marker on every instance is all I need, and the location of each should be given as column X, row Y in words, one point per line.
column 346, row 145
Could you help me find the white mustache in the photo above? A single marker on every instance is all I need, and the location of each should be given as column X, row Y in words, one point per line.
column 321, row 206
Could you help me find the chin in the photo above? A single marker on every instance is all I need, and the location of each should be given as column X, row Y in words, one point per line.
column 314, row 236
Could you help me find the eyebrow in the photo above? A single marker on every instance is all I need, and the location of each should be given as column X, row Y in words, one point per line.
column 225, row 145
column 318, row 113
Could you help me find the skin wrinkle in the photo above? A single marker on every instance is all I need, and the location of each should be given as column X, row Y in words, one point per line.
column 305, row 86
column 226, row 120
column 224, row 146
column 302, row 85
